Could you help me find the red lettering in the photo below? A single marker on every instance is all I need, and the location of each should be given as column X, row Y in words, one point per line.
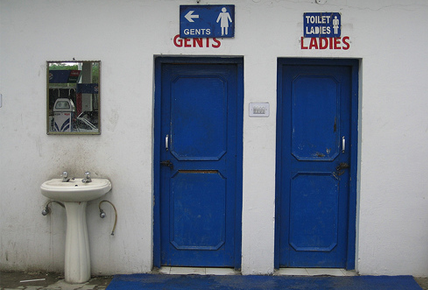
column 178, row 42
column 197, row 41
column 326, row 43
column 346, row 43
column 323, row 43
column 313, row 43
column 302, row 44
column 186, row 42
column 336, row 43
column 218, row 43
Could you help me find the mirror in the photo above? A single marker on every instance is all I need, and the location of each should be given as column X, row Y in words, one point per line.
column 73, row 97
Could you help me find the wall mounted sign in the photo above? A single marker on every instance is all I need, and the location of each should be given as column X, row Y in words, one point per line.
column 322, row 24
column 207, row 21
column 323, row 31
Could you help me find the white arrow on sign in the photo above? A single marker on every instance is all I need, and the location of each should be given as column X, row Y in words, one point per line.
column 189, row 16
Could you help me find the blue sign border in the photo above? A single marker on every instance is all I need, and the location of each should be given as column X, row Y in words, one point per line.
column 207, row 21
column 322, row 24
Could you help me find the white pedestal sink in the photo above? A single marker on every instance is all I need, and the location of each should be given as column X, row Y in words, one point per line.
column 75, row 194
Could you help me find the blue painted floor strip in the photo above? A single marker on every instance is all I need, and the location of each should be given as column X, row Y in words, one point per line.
column 237, row 282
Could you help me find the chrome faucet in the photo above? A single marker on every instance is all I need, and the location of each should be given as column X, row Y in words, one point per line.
column 65, row 176
column 87, row 178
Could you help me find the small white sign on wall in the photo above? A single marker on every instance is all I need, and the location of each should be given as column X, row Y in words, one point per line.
column 259, row 110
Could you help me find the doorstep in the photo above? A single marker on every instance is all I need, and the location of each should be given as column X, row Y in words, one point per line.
column 280, row 272
column 197, row 271
column 314, row 272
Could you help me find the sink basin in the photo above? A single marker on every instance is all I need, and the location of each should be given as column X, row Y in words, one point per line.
column 75, row 190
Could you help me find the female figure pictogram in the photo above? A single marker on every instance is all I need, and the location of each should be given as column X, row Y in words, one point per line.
column 224, row 18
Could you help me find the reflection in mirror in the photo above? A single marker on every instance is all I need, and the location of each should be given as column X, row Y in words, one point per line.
column 73, row 97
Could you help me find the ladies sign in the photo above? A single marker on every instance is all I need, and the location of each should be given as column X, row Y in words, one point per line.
column 322, row 30
column 322, row 24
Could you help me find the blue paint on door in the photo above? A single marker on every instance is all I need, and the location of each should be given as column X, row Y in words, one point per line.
column 315, row 212
column 199, row 144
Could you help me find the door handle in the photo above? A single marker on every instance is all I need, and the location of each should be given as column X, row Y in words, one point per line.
column 343, row 144
column 166, row 142
column 167, row 163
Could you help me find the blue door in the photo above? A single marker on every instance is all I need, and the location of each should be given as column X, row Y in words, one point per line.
column 199, row 153
column 315, row 164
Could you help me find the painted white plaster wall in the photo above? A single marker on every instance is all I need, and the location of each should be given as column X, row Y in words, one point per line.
column 389, row 36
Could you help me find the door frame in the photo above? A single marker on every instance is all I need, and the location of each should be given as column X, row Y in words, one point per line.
column 352, row 204
column 158, row 62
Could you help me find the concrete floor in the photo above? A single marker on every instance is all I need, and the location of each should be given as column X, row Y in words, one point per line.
column 53, row 281
column 423, row 282
column 14, row 280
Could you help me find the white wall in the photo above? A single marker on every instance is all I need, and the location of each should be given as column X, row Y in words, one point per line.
column 389, row 36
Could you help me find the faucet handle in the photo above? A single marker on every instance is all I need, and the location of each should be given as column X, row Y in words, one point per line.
column 87, row 177
column 64, row 176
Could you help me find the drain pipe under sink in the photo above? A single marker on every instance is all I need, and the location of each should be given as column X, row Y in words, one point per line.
column 103, row 214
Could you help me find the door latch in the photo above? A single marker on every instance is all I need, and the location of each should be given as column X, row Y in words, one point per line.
column 342, row 165
column 340, row 168
column 167, row 163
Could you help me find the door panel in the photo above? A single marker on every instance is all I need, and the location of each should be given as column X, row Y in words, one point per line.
column 199, row 157
column 313, row 212
column 315, row 134
column 314, row 124
column 195, row 223
column 199, row 114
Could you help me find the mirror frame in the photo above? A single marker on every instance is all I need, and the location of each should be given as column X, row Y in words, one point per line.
column 50, row 104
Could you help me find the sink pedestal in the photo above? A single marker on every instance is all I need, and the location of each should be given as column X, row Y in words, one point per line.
column 74, row 193
column 77, row 258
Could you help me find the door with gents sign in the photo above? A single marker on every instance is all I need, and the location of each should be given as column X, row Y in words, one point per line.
column 199, row 145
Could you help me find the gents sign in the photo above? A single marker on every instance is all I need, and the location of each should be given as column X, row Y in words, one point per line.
column 207, row 21
column 322, row 24
column 196, row 42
